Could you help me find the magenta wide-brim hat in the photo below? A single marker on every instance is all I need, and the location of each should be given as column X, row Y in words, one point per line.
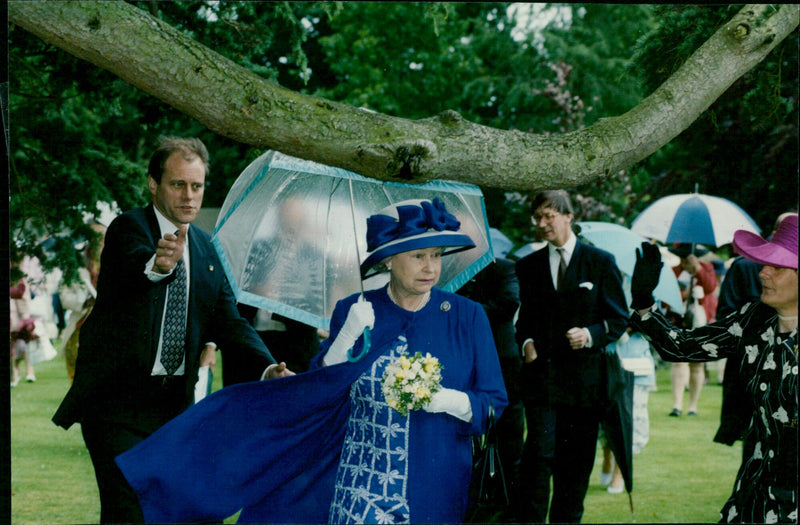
column 780, row 250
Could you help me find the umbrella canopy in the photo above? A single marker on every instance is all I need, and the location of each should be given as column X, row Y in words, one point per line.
column 622, row 243
column 693, row 218
column 501, row 245
column 528, row 249
column 289, row 244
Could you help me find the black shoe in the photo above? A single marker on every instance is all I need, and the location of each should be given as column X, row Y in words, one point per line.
column 676, row 413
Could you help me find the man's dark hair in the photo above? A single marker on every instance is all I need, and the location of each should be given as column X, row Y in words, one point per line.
column 557, row 199
column 188, row 147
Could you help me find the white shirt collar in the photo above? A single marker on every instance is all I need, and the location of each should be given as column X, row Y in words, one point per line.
column 569, row 247
column 164, row 224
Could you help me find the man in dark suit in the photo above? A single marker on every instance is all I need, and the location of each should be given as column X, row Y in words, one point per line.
column 496, row 288
column 161, row 295
column 572, row 305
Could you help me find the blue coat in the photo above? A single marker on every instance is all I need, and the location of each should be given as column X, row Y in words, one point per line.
column 272, row 448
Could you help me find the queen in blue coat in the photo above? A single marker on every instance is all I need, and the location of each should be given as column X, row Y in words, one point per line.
column 324, row 446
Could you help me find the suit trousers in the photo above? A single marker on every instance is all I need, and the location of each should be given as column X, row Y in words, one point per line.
column 157, row 402
column 105, row 441
column 575, row 450
column 537, row 463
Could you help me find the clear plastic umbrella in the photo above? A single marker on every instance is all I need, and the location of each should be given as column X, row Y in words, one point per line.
column 622, row 243
column 288, row 243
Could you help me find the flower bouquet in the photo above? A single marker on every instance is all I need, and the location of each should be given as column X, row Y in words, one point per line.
column 409, row 382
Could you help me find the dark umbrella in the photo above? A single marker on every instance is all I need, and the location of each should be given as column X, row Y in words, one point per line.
column 617, row 418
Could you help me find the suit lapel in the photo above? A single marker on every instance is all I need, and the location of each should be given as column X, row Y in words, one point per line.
column 197, row 259
column 572, row 276
column 152, row 224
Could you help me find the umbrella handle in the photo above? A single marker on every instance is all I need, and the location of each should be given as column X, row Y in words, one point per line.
column 364, row 349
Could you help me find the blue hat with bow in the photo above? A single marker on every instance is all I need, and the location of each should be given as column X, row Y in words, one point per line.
column 411, row 225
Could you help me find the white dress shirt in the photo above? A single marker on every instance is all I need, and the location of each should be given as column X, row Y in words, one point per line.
column 165, row 227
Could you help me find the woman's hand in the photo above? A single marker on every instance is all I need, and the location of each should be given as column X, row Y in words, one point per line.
column 360, row 316
column 453, row 402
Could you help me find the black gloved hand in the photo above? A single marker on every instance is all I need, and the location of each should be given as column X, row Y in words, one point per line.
column 645, row 276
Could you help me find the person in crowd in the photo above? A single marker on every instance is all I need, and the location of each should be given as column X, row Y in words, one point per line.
column 161, row 295
column 21, row 327
column 496, row 288
column 79, row 297
column 290, row 341
column 761, row 338
column 325, row 445
column 635, row 355
column 700, row 282
column 740, row 286
column 572, row 305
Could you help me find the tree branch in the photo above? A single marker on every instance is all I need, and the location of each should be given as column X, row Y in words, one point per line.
column 234, row 102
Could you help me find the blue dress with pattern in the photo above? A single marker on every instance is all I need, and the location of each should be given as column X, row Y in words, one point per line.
column 372, row 478
column 415, row 468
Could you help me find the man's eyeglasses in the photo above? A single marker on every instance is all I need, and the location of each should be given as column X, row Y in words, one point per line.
column 547, row 216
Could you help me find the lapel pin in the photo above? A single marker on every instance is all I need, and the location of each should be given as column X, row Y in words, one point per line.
column 210, row 267
column 445, row 306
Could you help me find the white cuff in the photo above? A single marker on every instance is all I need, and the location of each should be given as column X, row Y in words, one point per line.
column 522, row 348
column 153, row 275
column 265, row 375
column 589, row 340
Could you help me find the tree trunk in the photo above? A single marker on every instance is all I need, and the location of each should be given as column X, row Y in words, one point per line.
column 236, row 103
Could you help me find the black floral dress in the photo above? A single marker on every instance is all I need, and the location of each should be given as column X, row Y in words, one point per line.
column 765, row 490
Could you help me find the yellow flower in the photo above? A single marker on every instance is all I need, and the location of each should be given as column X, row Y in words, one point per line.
column 422, row 392
column 404, row 362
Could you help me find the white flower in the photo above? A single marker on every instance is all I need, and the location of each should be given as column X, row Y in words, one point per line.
column 735, row 329
column 752, row 352
column 409, row 382
column 787, row 369
column 673, row 334
column 781, row 415
column 732, row 513
column 769, row 336
column 769, row 363
column 711, row 348
column 771, row 517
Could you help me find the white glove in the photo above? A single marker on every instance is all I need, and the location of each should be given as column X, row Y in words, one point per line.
column 453, row 402
column 359, row 317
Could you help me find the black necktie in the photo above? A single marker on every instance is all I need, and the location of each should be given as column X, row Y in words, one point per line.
column 174, row 332
column 562, row 269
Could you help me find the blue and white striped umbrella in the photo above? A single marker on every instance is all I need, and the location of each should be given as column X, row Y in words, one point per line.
column 693, row 218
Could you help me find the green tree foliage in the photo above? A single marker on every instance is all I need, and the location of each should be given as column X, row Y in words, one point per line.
column 745, row 147
column 80, row 135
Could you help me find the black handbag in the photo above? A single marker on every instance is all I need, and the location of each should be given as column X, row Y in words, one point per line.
column 488, row 494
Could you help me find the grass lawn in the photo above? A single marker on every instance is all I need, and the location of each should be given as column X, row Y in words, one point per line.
column 681, row 476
